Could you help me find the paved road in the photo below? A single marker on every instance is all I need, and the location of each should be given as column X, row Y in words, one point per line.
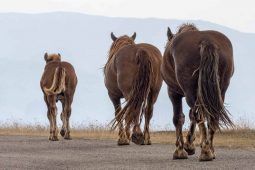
column 20, row 152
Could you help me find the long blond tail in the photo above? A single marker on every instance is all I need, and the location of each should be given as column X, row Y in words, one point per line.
column 58, row 83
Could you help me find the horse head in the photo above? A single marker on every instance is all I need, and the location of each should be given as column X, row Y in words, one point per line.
column 119, row 42
column 183, row 28
column 52, row 57
column 114, row 38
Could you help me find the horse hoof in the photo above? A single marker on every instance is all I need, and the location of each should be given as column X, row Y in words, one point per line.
column 53, row 138
column 190, row 148
column 123, row 142
column 62, row 132
column 180, row 154
column 213, row 155
column 147, row 142
column 206, row 156
column 138, row 138
column 67, row 137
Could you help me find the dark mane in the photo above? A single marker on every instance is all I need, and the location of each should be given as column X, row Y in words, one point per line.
column 187, row 27
column 183, row 28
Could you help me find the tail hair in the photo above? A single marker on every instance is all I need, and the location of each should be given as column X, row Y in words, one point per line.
column 209, row 99
column 58, row 83
column 138, row 95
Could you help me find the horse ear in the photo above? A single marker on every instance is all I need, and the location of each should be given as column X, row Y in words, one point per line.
column 59, row 55
column 46, row 56
column 133, row 36
column 169, row 34
column 113, row 36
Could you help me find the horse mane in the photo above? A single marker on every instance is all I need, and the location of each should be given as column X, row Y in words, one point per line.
column 116, row 46
column 181, row 29
column 187, row 27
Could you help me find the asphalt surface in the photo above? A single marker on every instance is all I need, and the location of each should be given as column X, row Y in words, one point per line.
column 20, row 152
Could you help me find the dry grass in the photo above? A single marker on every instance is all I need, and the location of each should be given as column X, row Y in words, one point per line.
column 238, row 138
column 241, row 137
column 91, row 131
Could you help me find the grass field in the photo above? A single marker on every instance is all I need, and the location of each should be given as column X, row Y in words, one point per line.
column 240, row 137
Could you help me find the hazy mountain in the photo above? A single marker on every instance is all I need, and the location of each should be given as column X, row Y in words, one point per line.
column 84, row 40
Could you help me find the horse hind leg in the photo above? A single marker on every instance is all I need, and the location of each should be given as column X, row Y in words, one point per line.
column 189, row 145
column 68, row 111
column 51, row 124
column 52, row 111
column 123, row 140
column 178, row 120
column 211, row 137
column 137, row 135
column 127, row 130
column 62, row 131
column 148, row 116
column 65, row 116
column 211, row 131
column 206, row 152
column 49, row 117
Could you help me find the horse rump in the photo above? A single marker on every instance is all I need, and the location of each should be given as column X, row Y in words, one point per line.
column 137, row 99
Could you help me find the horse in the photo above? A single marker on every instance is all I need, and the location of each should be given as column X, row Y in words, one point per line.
column 132, row 72
column 58, row 83
column 198, row 65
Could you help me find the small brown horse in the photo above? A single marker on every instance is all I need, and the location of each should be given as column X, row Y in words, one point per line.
column 58, row 82
column 198, row 65
column 133, row 72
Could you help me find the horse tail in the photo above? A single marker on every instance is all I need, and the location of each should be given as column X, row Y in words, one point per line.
column 209, row 100
column 58, row 82
column 140, row 90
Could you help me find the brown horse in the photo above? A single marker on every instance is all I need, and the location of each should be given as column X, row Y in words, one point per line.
column 133, row 72
column 198, row 65
column 58, row 82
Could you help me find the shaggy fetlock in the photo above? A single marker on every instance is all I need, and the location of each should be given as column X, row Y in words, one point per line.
column 50, row 137
column 214, row 156
column 206, row 153
column 213, row 153
column 180, row 153
column 138, row 138
column 123, row 141
column 53, row 138
column 62, row 132
column 67, row 136
column 147, row 140
column 189, row 148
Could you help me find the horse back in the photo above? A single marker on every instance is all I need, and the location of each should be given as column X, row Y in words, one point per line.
column 126, row 56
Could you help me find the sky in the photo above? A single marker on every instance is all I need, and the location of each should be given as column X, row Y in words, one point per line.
column 237, row 14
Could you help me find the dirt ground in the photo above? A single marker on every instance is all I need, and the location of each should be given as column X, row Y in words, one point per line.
column 22, row 152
